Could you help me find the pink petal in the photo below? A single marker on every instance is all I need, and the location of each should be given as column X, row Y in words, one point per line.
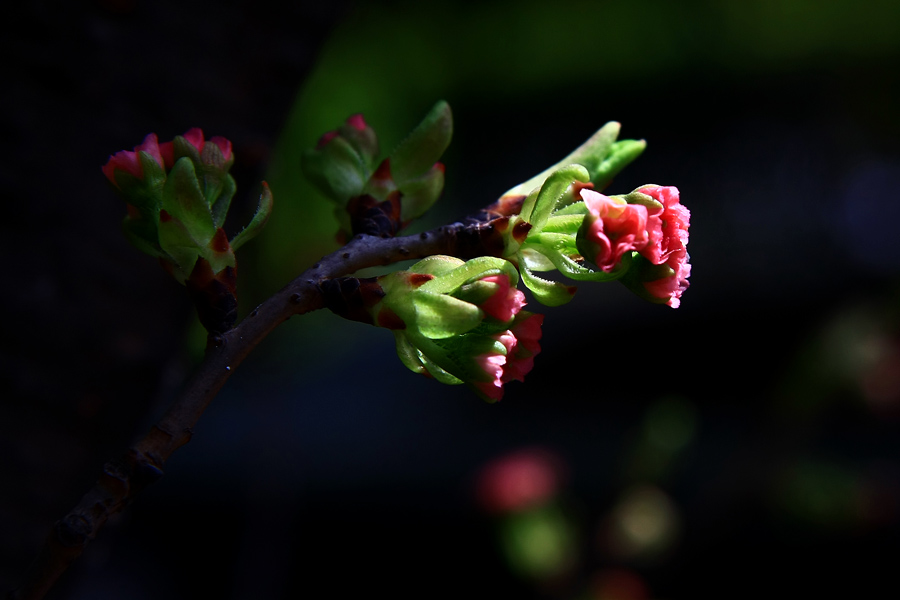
column 506, row 302
column 195, row 136
column 224, row 145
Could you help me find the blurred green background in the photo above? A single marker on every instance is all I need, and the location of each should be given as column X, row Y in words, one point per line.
column 744, row 444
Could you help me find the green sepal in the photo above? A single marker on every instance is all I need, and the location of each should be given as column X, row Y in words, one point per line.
column 143, row 235
column 537, row 209
column 560, row 255
column 548, row 293
column 218, row 258
column 421, row 193
column 567, row 224
column 476, row 268
column 437, row 264
column 418, row 362
column 212, row 157
column 364, row 142
column 408, row 354
column 184, row 201
column 424, row 146
column 637, row 197
column 621, row 154
column 220, row 205
column 576, row 208
column 476, row 292
column 182, row 148
column 263, row 211
column 438, row 372
column 456, row 355
column 212, row 173
column 532, row 257
column 643, row 271
column 336, row 169
column 145, row 194
column 180, row 247
column 442, row 316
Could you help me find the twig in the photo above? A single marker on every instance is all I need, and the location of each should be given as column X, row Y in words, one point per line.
column 142, row 464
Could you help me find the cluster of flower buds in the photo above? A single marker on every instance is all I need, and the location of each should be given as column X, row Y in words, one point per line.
column 563, row 223
column 380, row 197
column 178, row 194
column 455, row 321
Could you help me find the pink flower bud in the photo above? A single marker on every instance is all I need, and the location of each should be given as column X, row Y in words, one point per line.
column 506, row 302
column 128, row 160
column 610, row 229
column 492, row 364
column 521, row 360
column 521, row 343
column 194, row 136
column 668, row 228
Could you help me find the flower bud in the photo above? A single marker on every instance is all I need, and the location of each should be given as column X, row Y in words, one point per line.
column 178, row 195
column 382, row 199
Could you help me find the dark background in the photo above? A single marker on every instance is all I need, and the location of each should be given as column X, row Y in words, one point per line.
column 762, row 414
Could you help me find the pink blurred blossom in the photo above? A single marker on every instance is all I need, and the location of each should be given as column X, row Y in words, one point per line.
column 518, row 481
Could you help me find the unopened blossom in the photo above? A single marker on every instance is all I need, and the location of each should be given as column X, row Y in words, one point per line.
column 493, row 364
column 506, row 302
column 129, row 160
column 194, row 136
column 520, row 361
column 521, row 343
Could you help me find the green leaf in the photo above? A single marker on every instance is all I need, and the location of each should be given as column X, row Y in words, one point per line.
column 576, row 208
column 548, row 293
column 551, row 191
column 337, row 170
column 143, row 235
column 441, row 316
column 438, row 372
column 566, row 224
column 571, row 269
column 421, row 193
column 177, row 242
column 407, row 353
column 263, row 210
column 620, row 156
column 144, row 194
column 221, row 204
column 424, row 146
column 437, row 264
column 476, row 268
column 184, row 201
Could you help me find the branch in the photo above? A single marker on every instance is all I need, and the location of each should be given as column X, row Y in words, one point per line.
column 123, row 479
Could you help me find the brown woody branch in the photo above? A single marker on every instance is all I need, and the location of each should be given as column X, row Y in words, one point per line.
column 143, row 462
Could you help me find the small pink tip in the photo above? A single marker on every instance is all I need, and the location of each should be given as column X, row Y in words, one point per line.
column 357, row 122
